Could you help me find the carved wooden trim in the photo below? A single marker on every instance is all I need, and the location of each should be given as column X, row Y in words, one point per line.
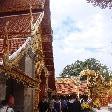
column 19, row 76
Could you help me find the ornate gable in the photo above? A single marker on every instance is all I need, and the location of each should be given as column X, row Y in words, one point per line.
column 19, row 26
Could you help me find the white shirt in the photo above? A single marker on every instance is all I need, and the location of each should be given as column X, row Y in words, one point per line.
column 71, row 100
column 6, row 109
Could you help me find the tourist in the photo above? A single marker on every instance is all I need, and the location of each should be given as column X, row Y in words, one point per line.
column 43, row 105
column 73, row 104
column 69, row 103
column 11, row 101
column 76, row 105
column 7, row 105
column 64, row 104
column 85, row 104
column 57, row 104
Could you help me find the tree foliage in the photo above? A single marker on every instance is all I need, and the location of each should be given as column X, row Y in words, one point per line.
column 101, row 3
column 75, row 68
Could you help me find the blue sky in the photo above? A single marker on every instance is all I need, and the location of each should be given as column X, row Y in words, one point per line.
column 80, row 31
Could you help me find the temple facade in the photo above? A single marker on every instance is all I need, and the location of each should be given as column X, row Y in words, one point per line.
column 26, row 54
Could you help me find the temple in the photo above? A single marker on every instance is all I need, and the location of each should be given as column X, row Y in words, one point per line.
column 26, row 54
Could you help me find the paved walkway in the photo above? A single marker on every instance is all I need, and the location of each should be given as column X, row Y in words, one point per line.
column 103, row 109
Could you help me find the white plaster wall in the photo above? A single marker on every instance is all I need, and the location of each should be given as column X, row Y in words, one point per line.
column 29, row 66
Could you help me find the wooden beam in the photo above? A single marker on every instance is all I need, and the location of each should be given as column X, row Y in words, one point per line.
column 2, row 14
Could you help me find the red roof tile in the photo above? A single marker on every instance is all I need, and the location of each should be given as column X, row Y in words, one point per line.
column 18, row 5
column 67, row 86
column 14, row 44
column 18, row 27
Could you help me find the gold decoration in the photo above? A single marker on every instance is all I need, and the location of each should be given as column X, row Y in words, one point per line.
column 19, row 76
column 98, row 86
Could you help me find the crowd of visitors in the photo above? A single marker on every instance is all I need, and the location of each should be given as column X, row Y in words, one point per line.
column 56, row 103
column 66, row 104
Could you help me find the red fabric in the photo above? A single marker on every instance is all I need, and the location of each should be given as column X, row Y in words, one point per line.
column 11, row 100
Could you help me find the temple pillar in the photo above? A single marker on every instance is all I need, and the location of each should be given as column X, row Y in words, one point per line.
column 36, row 100
column 36, row 92
column 28, row 92
column 28, row 96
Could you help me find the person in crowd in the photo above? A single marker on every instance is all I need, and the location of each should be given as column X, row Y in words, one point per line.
column 64, row 104
column 51, row 103
column 76, row 105
column 11, row 101
column 43, row 105
column 69, row 103
column 73, row 104
column 85, row 104
column 57, row 104
column 7, row 105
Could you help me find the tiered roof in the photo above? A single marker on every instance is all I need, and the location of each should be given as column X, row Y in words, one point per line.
column 17, row 13
column 67, row 86
column 20, row 16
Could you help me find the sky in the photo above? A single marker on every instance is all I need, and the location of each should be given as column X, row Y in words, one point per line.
column 80, row 31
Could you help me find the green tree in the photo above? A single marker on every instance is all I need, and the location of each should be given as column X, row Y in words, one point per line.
column 72, row 70
column 75, row 68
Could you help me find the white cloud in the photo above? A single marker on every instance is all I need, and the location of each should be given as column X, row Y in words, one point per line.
column 81, row 31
